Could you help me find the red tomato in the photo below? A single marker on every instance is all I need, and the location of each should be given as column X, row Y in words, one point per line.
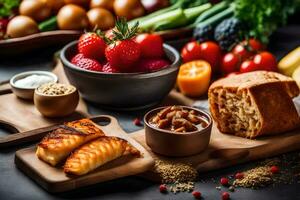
column 191, row 51
column 255, row 45
column 265, row 61
column 151, row 45
column 241, row 51
column 248, row 66
column 211, row 52
column 230, row 63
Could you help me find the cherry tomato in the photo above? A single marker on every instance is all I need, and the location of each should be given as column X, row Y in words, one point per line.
column 230, row 63
column 242, row 52
column 265, row 61
column 191, row 51
column 248, row 66
column 255, row 45
column 211, row 52
column 151, row 45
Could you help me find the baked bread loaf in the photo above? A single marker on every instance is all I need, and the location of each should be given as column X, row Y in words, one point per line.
column 254, row 104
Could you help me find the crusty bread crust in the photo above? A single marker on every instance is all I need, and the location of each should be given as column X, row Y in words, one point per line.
column 270, row 95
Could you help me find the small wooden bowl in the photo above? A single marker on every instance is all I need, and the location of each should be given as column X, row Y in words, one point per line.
column 56, row 106
column 174, row 144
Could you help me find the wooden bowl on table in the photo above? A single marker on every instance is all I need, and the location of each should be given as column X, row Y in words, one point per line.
column 170, row 143
column 56, row 105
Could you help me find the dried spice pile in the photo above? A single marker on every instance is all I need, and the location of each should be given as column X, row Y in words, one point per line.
column 255, row 178
column 180, row 177
column 264, row 175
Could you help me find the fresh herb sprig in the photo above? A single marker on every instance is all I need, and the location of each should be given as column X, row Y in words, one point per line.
column 122, row 31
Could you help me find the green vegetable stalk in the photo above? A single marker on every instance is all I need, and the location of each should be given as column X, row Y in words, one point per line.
column 173, row 19
column 48, row 25
column 178, row 4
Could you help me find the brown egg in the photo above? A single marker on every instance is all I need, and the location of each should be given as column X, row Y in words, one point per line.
column 72, row 17
column 107, row 4
column 55, row 5
column 129, row 8
column 83, row 3
column 36, row 9
column 21, row 26
column 101, row 18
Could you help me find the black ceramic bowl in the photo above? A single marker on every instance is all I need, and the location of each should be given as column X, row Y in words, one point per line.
column 122, row 90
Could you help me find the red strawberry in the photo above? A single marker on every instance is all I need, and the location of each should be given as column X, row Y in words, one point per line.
column 109, row 69
column 151, row 45
column 91, row 46
column 76, row 58
column 123, row 54
column 148, row 65
column 89, row 64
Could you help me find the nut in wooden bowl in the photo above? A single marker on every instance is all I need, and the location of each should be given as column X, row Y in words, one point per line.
column 55, row 99
column 177, row 130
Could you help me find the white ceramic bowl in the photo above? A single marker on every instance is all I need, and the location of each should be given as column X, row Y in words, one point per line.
column 27, row 92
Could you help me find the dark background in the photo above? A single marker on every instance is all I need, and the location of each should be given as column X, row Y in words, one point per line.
column 15, row 185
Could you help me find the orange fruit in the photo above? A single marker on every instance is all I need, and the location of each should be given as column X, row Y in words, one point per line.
column 194, row 77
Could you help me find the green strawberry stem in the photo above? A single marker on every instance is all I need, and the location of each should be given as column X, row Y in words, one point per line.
column 122, row 30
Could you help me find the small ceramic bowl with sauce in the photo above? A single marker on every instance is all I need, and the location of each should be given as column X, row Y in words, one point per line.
column 177, row 130
column 56, row 100
column 24, row 84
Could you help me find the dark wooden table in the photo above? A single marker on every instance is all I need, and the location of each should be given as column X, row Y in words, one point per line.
column 15, row 185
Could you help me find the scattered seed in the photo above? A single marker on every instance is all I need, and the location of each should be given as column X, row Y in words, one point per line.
column 231, row 189
column 181, row 177
column 218, row 188
column 255, row 178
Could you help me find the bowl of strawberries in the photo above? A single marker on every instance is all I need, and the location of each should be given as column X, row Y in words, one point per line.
column 121, row 69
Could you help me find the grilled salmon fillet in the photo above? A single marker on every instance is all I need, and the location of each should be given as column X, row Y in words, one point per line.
column 58, row 144
column 96, row 153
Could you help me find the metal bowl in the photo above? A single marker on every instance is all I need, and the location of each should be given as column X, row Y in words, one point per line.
column 122, row 90
column 170, row 143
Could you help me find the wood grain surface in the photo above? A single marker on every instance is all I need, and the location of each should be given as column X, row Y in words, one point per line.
column 18, row 115
column 228, row 150
column 55, row 180
column 21, row 116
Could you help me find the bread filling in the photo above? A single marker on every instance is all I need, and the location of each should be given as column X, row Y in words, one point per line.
column 237, row 112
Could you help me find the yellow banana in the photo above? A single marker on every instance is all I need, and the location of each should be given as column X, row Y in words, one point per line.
column 289, row 63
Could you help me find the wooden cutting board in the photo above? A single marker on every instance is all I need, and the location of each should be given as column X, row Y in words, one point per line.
column 55, row 180
column 23, row 115
column 227, row 150
column 20, row 116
